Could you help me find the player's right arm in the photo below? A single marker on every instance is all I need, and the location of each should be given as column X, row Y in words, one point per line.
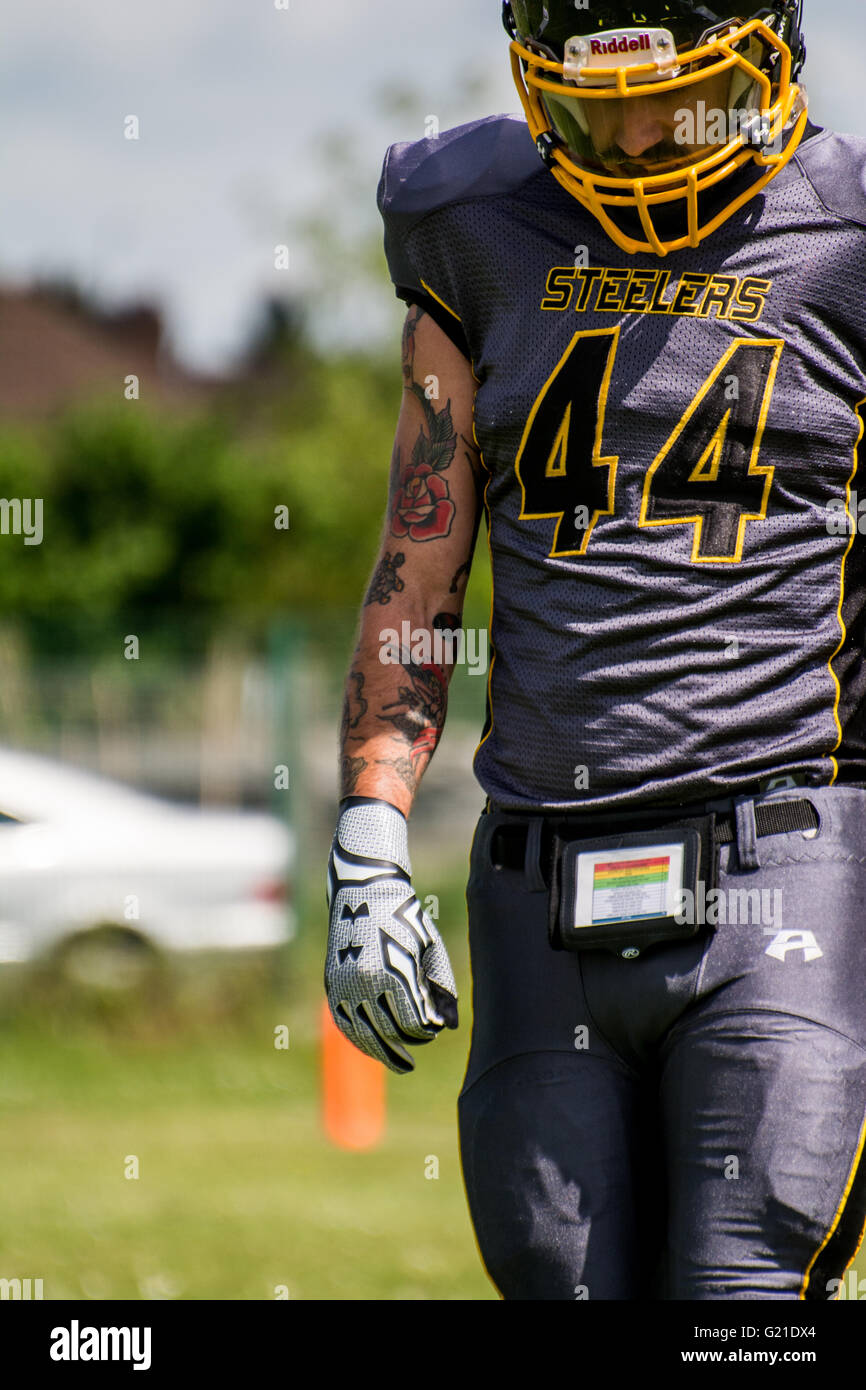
column 388, row 978
column 394, row 710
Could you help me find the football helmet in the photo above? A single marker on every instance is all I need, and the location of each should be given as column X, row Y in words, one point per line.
column 640, row 108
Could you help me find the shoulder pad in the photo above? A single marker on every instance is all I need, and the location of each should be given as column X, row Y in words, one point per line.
column 835, row 166
column 478, row 160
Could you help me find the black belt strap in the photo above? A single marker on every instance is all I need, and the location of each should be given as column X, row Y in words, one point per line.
column 771, row 818
column 508, row 848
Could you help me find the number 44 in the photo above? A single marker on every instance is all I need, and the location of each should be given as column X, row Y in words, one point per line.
column 707, row 475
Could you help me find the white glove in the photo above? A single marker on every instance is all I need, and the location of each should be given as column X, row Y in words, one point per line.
column 387, row 975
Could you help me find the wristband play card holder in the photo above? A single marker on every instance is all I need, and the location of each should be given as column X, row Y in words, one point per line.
column 625, row 893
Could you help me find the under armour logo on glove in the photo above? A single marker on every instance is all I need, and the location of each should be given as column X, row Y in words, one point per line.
column 387, row 975
column 349, row 915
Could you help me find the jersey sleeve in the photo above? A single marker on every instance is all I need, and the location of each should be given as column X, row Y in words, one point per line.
column 836, row 168
column 438, row 199
column 408, row 282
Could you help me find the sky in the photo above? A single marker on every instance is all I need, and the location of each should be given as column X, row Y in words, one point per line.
column 244, row 110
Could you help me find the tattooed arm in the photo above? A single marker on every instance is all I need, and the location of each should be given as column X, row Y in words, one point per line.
column 397, row 689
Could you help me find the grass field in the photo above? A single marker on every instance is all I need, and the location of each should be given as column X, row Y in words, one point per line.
column 238, row 1191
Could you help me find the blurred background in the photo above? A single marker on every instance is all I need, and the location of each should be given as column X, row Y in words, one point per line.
column 199, row 378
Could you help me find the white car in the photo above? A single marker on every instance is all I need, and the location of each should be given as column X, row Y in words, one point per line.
column 85, row 861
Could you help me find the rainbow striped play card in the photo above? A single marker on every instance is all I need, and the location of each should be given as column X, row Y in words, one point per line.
column 636, row 884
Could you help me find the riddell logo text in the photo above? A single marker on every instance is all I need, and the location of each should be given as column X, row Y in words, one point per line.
column 623, row 45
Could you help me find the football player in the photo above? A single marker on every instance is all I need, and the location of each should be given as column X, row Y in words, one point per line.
column 636, row 345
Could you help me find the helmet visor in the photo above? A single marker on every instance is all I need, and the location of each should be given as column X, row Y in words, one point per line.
column 649, row 133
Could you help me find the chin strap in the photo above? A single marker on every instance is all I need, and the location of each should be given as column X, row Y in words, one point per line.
column 785, row 18
column 795, row 32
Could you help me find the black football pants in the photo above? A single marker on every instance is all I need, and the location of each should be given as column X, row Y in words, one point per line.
column 690, row 1124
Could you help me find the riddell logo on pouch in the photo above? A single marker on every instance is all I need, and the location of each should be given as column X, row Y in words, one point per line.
column 624, row 45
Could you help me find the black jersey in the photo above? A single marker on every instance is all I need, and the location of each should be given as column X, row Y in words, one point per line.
column 671, row 449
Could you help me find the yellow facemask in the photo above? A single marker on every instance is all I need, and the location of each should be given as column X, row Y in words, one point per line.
column 626, row 122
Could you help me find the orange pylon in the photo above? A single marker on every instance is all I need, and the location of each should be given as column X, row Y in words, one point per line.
column 353, row 1090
